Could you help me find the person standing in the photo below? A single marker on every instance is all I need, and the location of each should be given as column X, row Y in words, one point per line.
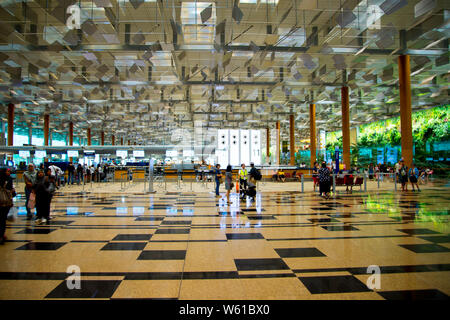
column 71, row 173
column 371, row 171
column 218, row 179
column 414, row 176
column 243, row 176
column 100, row 173
column 253, row 173
column 315, row 175
column 56, row 172
column 30, row 179
column 254, row 176
column 92, row 172
column 324, row 181
column 44, row 189
column 397, row 168
column 80, row 173
column 404, row 175
column 6, row 182
column 228, row 182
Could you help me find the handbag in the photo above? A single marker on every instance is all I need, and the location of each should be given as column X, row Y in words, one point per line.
column 232, row 185
column 5, row 197
column 12, row 214
column 32, row 201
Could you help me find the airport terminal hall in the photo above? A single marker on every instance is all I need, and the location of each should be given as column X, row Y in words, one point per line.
column 213, row 150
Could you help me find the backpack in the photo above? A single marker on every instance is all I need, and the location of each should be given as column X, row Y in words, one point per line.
column 403, row 171
column 257, row 175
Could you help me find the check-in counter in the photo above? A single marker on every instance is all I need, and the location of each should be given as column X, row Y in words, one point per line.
column 120, row 174
column 19, row 175
column 138, row 174
column 171, row 174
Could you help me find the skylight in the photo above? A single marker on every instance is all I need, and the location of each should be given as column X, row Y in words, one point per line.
column 272, row 2
column 161, row 59
column 294, row 39
column 195, row 32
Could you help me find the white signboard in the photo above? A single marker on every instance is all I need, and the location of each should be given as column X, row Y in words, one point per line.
column 245, row 147
column 188, row 153
column 40, row 154
column 234, row 147
column 138, row 153
column 122, row 153
column 24, row 153
column 72, row 153
column 171, row 153
column 255, row 155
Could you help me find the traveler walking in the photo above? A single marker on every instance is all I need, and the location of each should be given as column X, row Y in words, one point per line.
column 30, row 179
column 243, row 176
column 324, row 181
column 44, row 190
column 218, row 176
column 7, row 193
column 315, row 175
column 413, row 177
column 404, row 175
column 71, row 173
column 56, row 172
column 254, row 176
column 80, row 172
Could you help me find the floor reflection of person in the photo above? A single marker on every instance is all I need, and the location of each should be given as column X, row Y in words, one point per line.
column 228, row 182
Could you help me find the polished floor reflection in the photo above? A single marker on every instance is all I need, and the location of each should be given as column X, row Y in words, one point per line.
column 184, row 245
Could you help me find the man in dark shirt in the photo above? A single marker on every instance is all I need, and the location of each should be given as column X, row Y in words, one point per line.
column 71, row 170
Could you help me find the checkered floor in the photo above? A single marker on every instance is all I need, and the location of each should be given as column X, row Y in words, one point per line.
column 286, row 245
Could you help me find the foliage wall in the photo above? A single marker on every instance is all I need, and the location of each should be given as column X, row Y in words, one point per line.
column 431, row 136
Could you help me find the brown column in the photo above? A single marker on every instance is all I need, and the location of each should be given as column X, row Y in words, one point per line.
column 46, row 128
column 113, row 140
column 71, row 133
column 291, row 140
column 11, row 124
column 278, row 154
column 345, row 127
column 121, row 141
column 129, row 142
column 405, row 109
column 312, row 133
column 267, row 145
column 46, row 131
column 70, row 137
column 89, row 136
column 103, row 138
